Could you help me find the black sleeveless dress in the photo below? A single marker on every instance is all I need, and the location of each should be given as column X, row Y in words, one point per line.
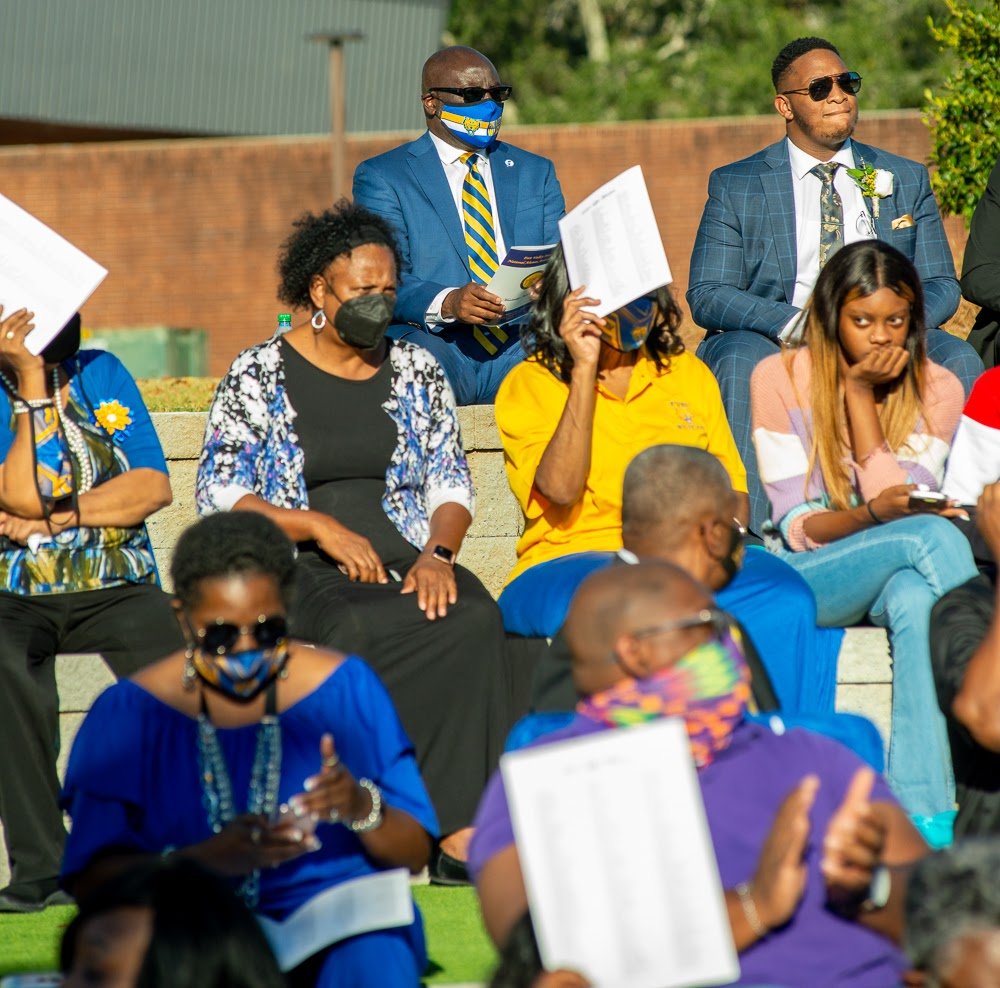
column 448, row 678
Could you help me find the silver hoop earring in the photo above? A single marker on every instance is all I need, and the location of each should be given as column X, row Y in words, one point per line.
column 318, row 321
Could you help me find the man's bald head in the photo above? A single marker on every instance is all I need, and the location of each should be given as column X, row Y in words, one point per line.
column 450, row 67
column 621, row 600
column 668, row 488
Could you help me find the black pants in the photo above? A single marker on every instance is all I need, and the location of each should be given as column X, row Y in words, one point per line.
column 130, row 626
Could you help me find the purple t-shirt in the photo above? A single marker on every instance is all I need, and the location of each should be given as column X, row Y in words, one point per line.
column 743, row 789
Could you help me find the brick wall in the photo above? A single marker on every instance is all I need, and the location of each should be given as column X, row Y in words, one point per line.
column 189, row 229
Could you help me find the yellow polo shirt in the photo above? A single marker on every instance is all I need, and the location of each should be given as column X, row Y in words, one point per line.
column 680, row 404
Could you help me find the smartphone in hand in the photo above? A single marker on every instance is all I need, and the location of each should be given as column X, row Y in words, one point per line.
column 287, row 816
column 927, row 501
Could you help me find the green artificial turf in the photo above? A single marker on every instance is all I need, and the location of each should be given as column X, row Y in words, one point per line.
column 31, row 942
column 456, row 941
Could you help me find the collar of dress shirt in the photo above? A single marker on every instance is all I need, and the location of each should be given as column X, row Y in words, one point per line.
column 450, row 155
column 801, row 163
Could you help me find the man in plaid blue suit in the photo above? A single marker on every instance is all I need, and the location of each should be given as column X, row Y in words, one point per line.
column 756, row 255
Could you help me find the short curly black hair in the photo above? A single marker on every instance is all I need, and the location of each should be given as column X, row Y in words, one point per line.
column 793, row 50
column 318, row 240
column 233, row 543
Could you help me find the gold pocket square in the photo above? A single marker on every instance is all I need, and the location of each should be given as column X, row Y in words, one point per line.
column 902, row 222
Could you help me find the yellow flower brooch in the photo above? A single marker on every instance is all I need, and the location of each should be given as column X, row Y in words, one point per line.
column 115, row 418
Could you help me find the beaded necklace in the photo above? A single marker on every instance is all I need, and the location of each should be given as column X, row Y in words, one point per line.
column 265, row 777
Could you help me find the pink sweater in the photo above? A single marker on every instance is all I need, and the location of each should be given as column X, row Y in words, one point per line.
column 782, row 433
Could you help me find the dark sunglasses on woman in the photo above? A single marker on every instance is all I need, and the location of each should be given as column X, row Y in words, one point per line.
column 220, row 637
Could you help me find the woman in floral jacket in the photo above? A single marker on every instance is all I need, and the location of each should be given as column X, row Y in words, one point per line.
column 350, row 442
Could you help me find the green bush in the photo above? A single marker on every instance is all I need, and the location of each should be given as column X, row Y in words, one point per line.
column 177, row 394
column 964, row 113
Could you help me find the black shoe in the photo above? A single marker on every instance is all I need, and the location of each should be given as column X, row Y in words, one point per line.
column 33, row 897
column 446, row 870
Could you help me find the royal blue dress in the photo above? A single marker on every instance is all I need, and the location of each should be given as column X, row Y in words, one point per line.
column 133, row 784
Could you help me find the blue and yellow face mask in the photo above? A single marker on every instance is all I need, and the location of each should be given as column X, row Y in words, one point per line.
column 476, row 125
column 627, row 328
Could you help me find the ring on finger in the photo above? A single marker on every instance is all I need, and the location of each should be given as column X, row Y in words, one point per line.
column 10, row 334
column 255, row 835
column 331, row 762
column 333, row 816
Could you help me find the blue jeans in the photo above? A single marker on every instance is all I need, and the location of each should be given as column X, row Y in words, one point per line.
column 894, row 573
column 733, row 355
column 473, row 374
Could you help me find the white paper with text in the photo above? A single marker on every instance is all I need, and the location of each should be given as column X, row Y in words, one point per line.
column 618, row 860
column 374, row 902
column 613, row 245
column 42, row 272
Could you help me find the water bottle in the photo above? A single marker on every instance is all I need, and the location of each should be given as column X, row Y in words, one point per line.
column 284, row 323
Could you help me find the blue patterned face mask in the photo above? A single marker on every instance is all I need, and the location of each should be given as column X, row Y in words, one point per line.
column 240, row 675
column 627, row 328
column 476, row 125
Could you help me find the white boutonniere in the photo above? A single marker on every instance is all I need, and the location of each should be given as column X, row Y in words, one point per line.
column 874, row 183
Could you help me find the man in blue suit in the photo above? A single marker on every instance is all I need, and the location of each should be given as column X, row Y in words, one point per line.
column 757, row 253
column 458, row 198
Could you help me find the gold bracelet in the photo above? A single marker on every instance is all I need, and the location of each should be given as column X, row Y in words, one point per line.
column 749, row 908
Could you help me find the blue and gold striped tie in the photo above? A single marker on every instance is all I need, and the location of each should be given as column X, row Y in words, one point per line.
column 480, row 238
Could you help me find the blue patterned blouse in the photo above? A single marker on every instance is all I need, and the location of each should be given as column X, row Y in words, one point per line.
column 251, row 446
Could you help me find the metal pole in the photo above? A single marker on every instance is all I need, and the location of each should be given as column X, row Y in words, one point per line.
column 338, row 104
column 337, row 109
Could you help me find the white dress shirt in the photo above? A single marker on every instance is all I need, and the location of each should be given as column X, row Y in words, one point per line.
column 806, row 189
column 455, row 171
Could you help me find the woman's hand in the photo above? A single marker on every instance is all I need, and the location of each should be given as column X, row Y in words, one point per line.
column 21, row 529
column 248, row 843
column 13, row 330
column 894, row 502
column 581, row 330
column 434, row 582
column 332, row 795
column 353, row 552
column 780, row 880
column 879, row 366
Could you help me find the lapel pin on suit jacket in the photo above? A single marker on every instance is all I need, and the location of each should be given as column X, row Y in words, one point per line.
column 509, row 163
column 904, row 221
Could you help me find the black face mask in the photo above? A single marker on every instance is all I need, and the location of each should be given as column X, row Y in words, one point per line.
column 362, row 321
column 65, row 343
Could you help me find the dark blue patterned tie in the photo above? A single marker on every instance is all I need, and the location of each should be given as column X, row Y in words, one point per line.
column 831, row 212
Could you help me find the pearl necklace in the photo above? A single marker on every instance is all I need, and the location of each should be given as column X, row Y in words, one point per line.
column 74, row 436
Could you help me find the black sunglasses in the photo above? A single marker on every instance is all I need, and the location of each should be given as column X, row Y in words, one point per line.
column 220, row 637
column 819, row 89
column 476, row 94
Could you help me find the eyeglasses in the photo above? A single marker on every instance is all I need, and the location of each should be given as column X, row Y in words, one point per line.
column 476, row 94
column 220, row 637
column 719, row 621
column 819, row 89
